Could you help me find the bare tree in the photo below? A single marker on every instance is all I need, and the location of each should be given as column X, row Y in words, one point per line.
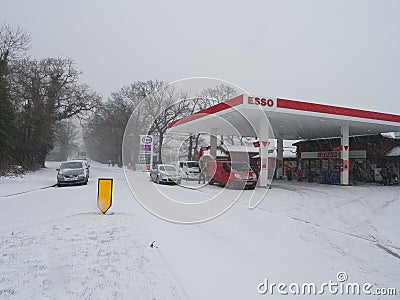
column 163, row 105
column 14, row 42
column 205, row 99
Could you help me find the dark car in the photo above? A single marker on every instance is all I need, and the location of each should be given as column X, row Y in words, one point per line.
column 73, row 172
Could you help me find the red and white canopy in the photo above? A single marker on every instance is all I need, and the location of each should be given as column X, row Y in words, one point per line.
column 289, row 119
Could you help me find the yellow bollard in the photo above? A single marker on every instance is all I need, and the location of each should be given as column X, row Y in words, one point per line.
column 104, row 194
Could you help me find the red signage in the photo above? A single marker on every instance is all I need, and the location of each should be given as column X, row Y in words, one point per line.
column 261, row 101
column 340, row 148
column 147, row 139
column 265, row 143
column 328, row 154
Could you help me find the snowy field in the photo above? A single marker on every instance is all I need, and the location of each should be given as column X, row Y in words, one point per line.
column 55, row 245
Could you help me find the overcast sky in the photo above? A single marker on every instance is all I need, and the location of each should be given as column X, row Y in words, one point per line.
column 337, row 52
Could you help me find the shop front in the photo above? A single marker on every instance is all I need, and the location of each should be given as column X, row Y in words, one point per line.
column 326, row 166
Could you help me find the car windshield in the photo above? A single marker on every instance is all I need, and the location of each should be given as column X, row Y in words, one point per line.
column 71, row 165
column 167, row 168
column 240, row 166
column 193, row 164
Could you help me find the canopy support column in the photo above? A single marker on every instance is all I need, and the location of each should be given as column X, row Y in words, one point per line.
column 263, row 137
column 345, row 150
column 279, row 159
column 213, row 143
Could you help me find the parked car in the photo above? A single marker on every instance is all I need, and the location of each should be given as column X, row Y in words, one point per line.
column 73, row 172
column 189, row 170
column 231, row 174
column 165, row 174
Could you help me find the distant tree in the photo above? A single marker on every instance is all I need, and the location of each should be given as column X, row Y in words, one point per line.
column 149, row 106
column 66, row 138
column 220, row 93
column 105, row 129
column 163, row 105
column 207, row 98
column 217, row 94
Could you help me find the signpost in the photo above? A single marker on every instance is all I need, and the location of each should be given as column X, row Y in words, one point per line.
column 104, row 194
column 146, row 151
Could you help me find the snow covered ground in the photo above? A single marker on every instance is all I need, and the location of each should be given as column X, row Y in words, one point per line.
column 55, row 245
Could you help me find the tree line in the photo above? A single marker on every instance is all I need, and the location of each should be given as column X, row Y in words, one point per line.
column 37, row 97
column 145, row 107
column 41, row 99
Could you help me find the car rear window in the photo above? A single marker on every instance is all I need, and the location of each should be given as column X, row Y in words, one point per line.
column 167, row 168
column 71, row 165
column 193, row 164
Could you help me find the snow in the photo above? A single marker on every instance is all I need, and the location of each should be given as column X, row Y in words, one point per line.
column 84, row 256
column 30, row 181
column 54, row 244
column 395, row 151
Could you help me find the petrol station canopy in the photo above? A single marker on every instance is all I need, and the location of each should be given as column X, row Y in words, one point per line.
column 289, row 119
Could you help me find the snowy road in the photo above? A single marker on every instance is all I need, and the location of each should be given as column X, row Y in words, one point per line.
column 55, row 245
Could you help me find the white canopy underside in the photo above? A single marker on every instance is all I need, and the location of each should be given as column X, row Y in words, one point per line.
column 289, row 125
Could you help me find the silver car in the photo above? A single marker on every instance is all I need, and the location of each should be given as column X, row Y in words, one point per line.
column 165, row 174
column 73, row 172
column 189, row 170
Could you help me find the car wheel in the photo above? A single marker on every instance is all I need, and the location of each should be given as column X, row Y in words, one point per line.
column 158, row 179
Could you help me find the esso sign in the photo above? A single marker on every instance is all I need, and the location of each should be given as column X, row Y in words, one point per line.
column 147, row 140
column 261, row 101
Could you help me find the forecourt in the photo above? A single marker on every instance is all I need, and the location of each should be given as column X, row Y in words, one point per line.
column 266, row 117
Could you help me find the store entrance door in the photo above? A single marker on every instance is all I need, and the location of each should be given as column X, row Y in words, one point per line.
column 330, row 171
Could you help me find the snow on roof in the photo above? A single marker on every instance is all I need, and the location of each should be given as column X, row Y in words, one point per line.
column 395, row 151
column 392, row 135
column 289, row 152
column 241, row 148
column 219, row 153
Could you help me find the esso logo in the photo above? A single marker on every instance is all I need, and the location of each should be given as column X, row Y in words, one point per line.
column 147, row 140
column 261, row 101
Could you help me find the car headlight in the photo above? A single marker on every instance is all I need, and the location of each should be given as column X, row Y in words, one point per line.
column 238, row 176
